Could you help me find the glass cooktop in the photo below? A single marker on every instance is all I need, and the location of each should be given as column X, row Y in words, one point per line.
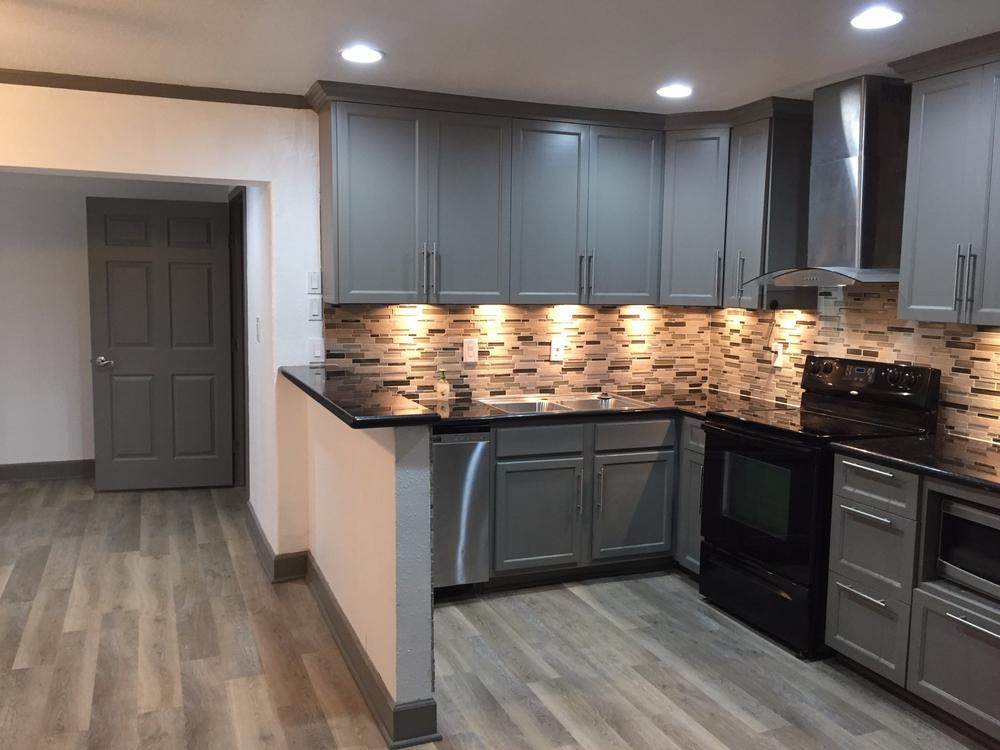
column 814, row 424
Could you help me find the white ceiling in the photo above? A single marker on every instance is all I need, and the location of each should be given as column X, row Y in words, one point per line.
column 609, row 53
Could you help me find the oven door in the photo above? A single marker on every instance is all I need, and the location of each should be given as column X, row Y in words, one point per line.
column 765, row 499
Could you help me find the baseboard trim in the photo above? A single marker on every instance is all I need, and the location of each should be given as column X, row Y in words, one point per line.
column 82, row 469
column 287, row 566
column 401, row 724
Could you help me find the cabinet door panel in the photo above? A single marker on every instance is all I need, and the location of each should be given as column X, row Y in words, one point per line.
column 747, row 203
column 381, row 197
column 696, row 169
column 633, row 504
column 945, row 189
column 985, row 291
column 548, row 211
column 469, row 210
column 623, row 218
column 538, row 508
column 689, row 511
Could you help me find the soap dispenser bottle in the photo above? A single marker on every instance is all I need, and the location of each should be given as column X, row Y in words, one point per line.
column 443, row 388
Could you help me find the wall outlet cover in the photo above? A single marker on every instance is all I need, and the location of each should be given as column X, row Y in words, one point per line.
column 558, row 348
column 314, row 285
column 470, row 350
column 316, row 350
column 315, row 308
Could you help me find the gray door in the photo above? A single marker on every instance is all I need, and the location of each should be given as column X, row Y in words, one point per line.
column 695, row 175
column 160, row 339
column 984, row 291
column 689, row 510
column 945, row 202
column 381, row 203
column 747, row 202
column 624, row 216
column 632, row 504
column 539, row 504
column 469, row 205
column 548, row 212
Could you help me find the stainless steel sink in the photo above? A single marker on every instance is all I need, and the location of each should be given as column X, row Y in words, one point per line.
column 533, row 404
column 597, row 403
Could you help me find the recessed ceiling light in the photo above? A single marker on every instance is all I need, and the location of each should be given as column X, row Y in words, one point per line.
column 674, row 91
column 876, row 17
column 361, row 53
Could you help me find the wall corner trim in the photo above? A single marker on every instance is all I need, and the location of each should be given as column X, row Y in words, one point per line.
column 401, row 724
column 278, row 568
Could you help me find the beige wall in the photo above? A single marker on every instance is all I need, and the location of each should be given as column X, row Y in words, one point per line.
column 273, row 151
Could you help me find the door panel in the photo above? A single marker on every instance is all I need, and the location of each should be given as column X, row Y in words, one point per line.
column 696, row 170
column 689, row 510
column 548, row 211
column 944, row 205
column 160, row 312
column 623, row 217
column 381, row 203
column 633, row 504
column 986, row 282
column 538, row 508
column 469, row 203
column 747, row 203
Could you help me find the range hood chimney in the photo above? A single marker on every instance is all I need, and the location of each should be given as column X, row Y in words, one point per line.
column 857, row 178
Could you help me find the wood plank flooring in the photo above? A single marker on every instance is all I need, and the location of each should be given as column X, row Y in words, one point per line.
column 144, row 620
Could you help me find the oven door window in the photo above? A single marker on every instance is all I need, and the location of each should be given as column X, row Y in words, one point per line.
column 970, row 538
column 757, row 494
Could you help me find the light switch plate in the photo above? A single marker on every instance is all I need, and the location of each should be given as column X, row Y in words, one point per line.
column 315, row 308
column 316, row 350
column 314, row 283
column 470, row 350
column 558, row 349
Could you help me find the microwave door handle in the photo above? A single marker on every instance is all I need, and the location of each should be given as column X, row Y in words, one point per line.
column 963, row 511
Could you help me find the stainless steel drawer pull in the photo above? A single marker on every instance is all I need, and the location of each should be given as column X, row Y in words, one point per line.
column 579, row 495
column 978, row 628
column 871, row 516
column 851, row 589
column 600, row 492
column 870, row 469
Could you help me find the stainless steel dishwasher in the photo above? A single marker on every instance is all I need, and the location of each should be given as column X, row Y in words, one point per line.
column 461, row 483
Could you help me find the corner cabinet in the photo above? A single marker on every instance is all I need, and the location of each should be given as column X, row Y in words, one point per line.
column 950, row 262
column 692, row 467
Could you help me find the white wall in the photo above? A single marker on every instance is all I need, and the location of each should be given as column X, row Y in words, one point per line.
column 273, row 150
column 46, row 409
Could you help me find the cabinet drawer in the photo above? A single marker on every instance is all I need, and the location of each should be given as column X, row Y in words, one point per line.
column 955, row 660
column 870, row 629
column 693, row 435
column 544, row 440
column 874, row 547
column 876, row 485
column 634, row 434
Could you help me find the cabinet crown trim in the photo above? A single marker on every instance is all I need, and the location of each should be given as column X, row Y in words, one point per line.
column 969, row 53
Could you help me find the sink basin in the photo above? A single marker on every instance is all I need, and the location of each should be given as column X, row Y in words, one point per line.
column 523, row 404
column 595, row 403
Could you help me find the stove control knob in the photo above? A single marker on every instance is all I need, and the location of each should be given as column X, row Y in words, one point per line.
column 828, row 367
column 910, row 379
column 892, row 376
column 814, row 367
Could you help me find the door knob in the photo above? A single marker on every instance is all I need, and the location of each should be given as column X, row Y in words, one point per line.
column 104, row 363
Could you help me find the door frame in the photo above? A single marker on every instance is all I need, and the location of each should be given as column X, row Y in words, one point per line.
column 238, row 332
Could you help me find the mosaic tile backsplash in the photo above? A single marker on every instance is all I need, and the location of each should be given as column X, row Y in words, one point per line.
column 662, row 350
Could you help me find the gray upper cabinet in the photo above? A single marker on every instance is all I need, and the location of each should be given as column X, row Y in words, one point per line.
column 632, row 508
column 623, row 217
column 695, row 175
column 747, row 203
column 549, row 212
column 469, row 210
column 984, row 296
column 945, row 196
column 381, row 179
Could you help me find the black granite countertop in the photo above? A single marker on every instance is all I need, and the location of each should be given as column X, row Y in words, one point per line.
column 948, row 456
column 361, row 401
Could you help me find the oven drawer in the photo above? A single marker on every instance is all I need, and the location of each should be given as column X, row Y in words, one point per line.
column 876, row 485
column 869, row 628
column 874, row 547
column 955, row 660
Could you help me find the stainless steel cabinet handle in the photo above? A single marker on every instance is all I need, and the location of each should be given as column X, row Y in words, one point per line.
column 869, row 469
column 872, row 516
column 959, row 267
column 978, row 628
column 423, row 264
column 579, row 492
column 851, row 589
column 580, row 277
column 103, row 362
column 590, row 273
column 434, row 268
column 739, row 277
column 970, row 282
column 600, row 492
column 716, row 288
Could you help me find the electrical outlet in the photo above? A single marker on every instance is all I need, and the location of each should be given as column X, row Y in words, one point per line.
column 314, row 286
column 316, row 350
column 257, row 330
column 315, row 308
column 778, row 354
column 470, row 350
column 558, row 348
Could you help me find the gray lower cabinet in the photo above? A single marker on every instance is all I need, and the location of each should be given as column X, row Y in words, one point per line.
column 955, row 658
column 539, row 505
column 632, row 503
column 870, row 629
column 689, row 483
column 695, row 174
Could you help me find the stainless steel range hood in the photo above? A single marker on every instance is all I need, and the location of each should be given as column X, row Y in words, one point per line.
column 856, row 183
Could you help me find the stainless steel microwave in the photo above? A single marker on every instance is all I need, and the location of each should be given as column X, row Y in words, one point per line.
column 969, row 546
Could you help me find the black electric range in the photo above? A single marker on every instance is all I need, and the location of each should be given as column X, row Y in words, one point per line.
column 768, row 478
